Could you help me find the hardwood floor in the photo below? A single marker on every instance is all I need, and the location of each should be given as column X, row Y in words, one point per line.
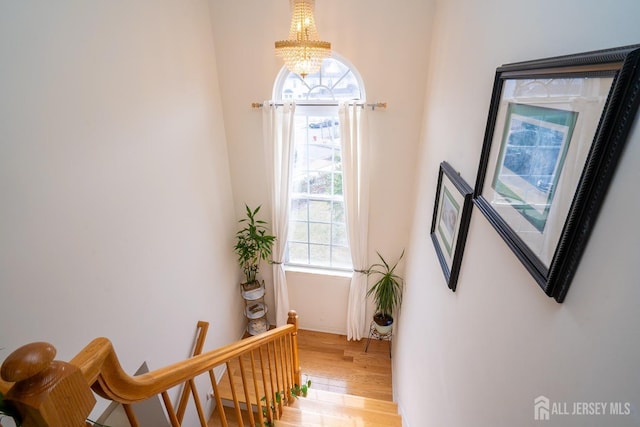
column 334, row 364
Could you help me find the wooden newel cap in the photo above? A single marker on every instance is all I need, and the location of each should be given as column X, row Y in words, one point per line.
column 46, row 391
column 27, row 361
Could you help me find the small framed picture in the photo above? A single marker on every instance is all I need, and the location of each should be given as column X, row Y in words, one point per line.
column 450, row 222
column 555, row 132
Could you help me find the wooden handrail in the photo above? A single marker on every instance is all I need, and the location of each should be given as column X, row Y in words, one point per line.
column 99, row 364
column 101, row 370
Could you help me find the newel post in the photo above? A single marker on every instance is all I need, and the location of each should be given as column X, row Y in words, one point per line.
column 47, row 392
column 297, row 372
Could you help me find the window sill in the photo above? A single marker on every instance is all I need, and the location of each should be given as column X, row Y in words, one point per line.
column 318, row 271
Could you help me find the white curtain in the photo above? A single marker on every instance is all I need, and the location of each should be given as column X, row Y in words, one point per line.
column 355, row 167
column 277, row 126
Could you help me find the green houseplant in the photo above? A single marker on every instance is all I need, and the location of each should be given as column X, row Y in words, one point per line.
column 253, row 244
column 386, row 292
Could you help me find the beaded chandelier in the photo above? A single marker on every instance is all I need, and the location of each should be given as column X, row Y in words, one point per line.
column 303, row 52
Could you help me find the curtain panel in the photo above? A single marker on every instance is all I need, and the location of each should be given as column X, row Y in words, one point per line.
column 277, row 125
column 355, row 166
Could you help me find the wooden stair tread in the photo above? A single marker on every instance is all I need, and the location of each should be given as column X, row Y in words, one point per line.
column 351, row 412
column 352, row 401
column 314, row 420
column 232, row 420
column 324, row 414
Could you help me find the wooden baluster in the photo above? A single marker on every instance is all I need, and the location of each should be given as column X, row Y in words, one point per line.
column 131, row 416
column 257, row 390
column 236, row 404
column 170, row 411
column 196, row 400
column 216, row 395
column 288, row 365
column 272, row 380
column 285, row 383
column 287, row 362
column 265, row 386
column 46, row 392
column 245, row 388
column 279, row 384
column 297, row 372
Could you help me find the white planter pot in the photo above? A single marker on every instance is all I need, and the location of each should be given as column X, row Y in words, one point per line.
column 254, row 292
column 383, row 330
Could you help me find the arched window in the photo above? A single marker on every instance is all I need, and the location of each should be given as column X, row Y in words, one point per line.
column 336, row 81
column 317, row 233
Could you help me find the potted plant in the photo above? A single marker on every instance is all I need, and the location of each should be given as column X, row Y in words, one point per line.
column 386, row 292
column 253, row 245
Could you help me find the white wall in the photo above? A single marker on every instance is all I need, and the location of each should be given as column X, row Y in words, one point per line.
column 479, row 356
column 116, row 212
column 388, row 45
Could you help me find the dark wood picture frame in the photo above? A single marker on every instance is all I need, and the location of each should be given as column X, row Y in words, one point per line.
column 450, row 222
column 543, row 174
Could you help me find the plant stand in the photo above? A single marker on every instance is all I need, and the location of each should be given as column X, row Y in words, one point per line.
column 373, row 333
column 255, row 309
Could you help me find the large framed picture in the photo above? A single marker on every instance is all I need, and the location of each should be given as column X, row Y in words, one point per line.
column 450, row 221
column 555, row 132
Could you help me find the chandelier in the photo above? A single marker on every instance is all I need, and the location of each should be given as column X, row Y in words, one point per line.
column 303, row 52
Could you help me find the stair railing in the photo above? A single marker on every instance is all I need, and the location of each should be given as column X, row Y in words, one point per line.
column 51, row 393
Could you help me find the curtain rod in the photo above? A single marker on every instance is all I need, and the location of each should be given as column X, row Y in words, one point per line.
column 374, row 105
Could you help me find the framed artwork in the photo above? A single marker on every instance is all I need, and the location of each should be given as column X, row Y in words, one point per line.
column 450, row 222
column 555, row 132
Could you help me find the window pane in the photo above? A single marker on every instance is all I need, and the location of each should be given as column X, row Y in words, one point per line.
column 299, row 210
column 320, row 210
column 301, row 151
column 339, row 235
column 347, row 87
column 334, row 81
column 298, row 231
column 298, row 253
column 300, row 183
column 337, row 159
column 321, row 183
column 338, row 212
column 341, row 257
column 320, row 155
column 319, row 233
column 337, row 183
column 320, row 255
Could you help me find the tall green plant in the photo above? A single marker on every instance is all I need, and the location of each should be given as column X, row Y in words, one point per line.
column 387, row 290
column 253, row 243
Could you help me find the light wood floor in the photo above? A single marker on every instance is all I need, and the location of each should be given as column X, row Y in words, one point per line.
column 334, row 364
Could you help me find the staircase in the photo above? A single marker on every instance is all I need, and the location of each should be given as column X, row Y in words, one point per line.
column 262, row 372
column 319, row 408
column 327, row 409
column 323, row 408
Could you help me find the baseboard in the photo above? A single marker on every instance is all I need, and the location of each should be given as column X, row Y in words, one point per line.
column 326, row 331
